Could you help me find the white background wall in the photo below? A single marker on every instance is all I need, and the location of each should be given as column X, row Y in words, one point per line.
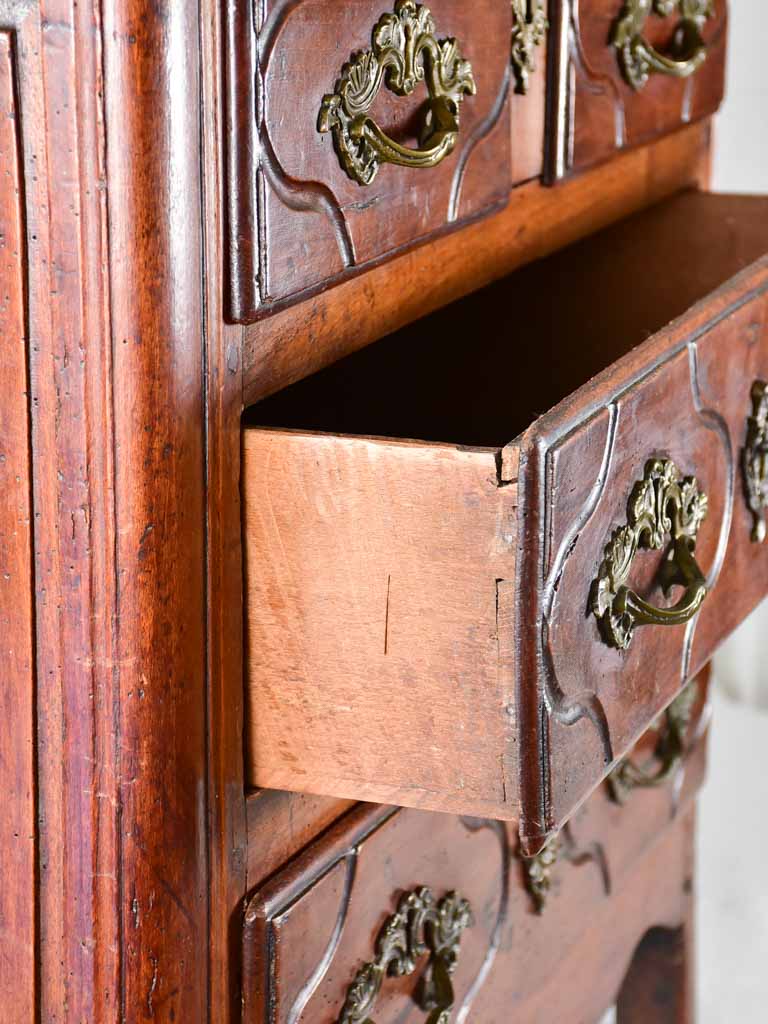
column 733, row 821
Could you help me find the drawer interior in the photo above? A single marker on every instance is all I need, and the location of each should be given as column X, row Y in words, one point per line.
column 479, row 371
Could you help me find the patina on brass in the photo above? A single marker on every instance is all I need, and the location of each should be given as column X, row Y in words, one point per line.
column 687, row 52
column 754, row 460
column 661, row 505
column 528, row 33
column 404, row 52
column 673, row 727
column 420, row 926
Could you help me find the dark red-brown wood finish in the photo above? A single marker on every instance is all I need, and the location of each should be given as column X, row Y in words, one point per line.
column 595, row 110
column 18, row 854
column 118, row 909
column 310, row 929
column 297, row 220
column 130, row 839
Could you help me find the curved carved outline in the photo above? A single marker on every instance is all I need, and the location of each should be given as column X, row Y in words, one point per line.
column 475, row 137
column 309, row 988
column 596, row 82
column 714, row 421
column 498, row 828
column 310, row 195
column 312, row 983
column 298, row 195
column 586, row 704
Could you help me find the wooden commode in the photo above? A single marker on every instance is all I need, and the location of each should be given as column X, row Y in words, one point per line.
column 383, row 433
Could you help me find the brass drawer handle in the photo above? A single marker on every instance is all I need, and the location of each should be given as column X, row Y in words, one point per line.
column 421, row 925
column 528, row 33
column 670, row 749
column 661, row 504
column 404, row 52
column 639, row 60
column 754, row 460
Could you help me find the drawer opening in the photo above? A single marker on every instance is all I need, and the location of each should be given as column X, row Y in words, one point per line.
column 479, row 371
column 424, row 522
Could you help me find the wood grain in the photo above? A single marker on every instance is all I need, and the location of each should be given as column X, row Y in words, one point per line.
column 152, row 108
column 291, row 344
column 18, row 853
column 399, row 581
column 400, row 696
column 62, row 248
column 227, row 846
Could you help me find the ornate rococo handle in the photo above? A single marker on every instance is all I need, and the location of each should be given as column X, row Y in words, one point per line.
column 661, row 504
column 754, row 460
column 528, row 32
column 421, row 925
column 639, row 60
column 670, row 749
column 404, row 52
column 538, row 872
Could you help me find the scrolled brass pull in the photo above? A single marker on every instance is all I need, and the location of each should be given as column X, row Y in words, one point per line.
column 670, row 749
column 754, row 460
column 404, row 52
column 661, row 504
column 421, row 925
column 528, row 32
column 687, row 51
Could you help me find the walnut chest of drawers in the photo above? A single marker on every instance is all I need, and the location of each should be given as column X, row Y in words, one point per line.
column 383, row 432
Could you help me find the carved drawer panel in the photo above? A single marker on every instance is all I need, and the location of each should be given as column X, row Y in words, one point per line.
column 396, row 915
column 468, row 623
column 627, row 71
column 359, row 127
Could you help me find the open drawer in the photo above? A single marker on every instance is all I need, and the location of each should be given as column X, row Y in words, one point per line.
column 441, row 617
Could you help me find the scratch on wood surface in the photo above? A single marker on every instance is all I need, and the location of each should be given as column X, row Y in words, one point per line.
column 152, row 986
column 386, row 616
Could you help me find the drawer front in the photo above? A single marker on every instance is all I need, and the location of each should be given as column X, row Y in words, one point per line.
column 620, row 78
column 602, row 667
column 335, row 162
column 318, row 926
